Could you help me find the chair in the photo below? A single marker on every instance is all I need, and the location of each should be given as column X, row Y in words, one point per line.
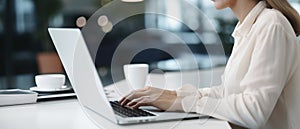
column 49, row 62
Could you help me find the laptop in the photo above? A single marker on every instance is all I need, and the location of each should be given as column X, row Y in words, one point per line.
column 81, row 70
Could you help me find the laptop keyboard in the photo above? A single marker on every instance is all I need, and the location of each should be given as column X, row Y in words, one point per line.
column 128, row 112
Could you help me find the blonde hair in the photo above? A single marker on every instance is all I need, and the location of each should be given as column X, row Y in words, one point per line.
column 288, row 11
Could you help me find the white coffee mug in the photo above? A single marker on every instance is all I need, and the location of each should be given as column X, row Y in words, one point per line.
column 50, row 81
column 136, row 75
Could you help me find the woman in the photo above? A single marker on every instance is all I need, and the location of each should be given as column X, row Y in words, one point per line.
column 259, row 79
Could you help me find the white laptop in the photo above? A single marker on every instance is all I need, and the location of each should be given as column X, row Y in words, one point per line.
column 85, row 80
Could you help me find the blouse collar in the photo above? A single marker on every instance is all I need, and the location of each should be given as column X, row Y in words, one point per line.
column 242, row 29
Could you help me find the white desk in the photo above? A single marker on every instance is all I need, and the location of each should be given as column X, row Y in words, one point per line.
column 67, row 114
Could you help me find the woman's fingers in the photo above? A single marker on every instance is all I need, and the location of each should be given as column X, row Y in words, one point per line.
column 141, row 97
column 134, row 101
column 139, row 90
column 143, row 101
column 150, row 96
column 133, row 95
column 121, row 100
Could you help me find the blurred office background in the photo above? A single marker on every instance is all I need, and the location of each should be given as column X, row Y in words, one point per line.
column 26, row 48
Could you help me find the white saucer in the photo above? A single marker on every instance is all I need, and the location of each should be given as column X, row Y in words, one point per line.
column 63, row 88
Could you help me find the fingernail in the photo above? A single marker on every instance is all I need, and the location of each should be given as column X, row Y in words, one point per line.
column 130, row 107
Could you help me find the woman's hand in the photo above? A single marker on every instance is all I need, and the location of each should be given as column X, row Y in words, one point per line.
column 150, row 96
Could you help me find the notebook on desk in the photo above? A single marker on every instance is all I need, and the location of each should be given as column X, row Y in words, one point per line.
column 85, row 80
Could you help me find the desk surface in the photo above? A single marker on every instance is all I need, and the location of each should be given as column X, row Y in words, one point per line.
column 67, row 114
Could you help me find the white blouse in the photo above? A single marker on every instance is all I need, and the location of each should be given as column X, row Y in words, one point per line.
column 260, row 87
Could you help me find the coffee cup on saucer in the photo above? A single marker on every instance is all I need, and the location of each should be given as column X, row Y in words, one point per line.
column 50, row 81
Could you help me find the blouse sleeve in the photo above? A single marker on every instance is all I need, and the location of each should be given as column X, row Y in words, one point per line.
column 214, row 91
column 268, row 72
